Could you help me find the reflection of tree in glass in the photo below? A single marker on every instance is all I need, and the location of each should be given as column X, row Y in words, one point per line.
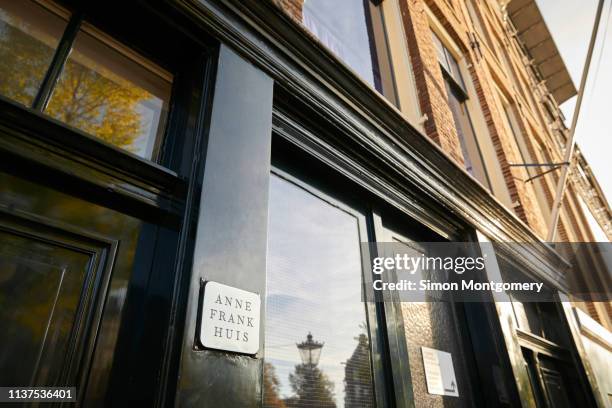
column 95, row 104
column 312, row 388
column 358, row 375
column 271, row 388
column 83, row 98
column 23, row 61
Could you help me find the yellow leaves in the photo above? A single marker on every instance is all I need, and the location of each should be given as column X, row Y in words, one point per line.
column 84, row 97
column 97, row 105
column 23, row 63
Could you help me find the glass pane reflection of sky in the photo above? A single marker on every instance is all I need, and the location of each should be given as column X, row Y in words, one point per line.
column 314, row 285
column 341, row 26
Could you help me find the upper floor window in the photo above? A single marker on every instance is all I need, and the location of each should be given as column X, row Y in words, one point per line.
column 29, row 35
column 457, row 99
column 355, row 32
column 53, row 61
column 479, row 24
column 448, row 62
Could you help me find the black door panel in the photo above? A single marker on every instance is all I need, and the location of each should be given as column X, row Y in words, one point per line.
column 70, row 272
column 50, row 281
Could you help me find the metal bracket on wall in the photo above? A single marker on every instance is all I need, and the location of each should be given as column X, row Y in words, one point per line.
column 542, row 174
column 555, row 166
column 538, row 164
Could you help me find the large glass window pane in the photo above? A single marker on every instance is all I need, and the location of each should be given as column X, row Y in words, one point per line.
column 111, row 92
column 343, row 27
column 29, row 34
column 317, row 351
column 355, row 31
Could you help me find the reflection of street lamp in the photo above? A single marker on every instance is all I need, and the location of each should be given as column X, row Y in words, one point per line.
column 310, row 351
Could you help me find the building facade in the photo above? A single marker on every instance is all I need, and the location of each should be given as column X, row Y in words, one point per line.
column 148, row 148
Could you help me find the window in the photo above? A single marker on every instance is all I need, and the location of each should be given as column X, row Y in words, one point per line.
column 317, row 347
column 462, row 123
column 29, row 35
column 509, row 69
column 403, row 74
column 103, row 88
column 355, row 32
column 457, row 97
column 513, row 126
column 109, row 91
column 448, row 62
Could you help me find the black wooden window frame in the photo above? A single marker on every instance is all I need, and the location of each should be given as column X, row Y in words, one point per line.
column 36, row 147
column 79, row 13
column 58, row 62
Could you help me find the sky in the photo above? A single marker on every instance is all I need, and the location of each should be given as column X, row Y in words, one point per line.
column 571, row 22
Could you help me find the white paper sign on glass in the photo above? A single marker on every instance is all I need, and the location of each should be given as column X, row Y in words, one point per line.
column 230, row 319
column 439, row 372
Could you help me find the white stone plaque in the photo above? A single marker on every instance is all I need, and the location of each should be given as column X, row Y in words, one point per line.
column 230, row 319
column 439, row 372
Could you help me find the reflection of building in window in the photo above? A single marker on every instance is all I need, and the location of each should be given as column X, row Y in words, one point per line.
column 357, row 382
